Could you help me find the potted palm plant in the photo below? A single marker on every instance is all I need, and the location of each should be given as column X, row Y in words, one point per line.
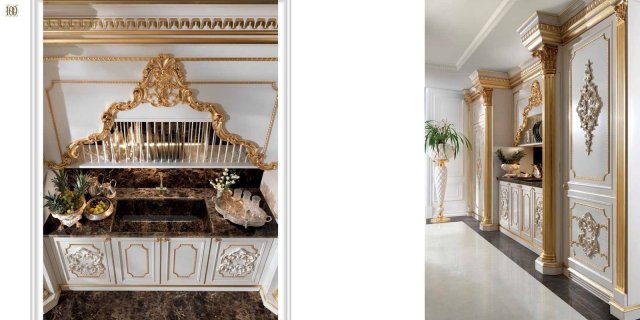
column 67, row 203
column 442, row 142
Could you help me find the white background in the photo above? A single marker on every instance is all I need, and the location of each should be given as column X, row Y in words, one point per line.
column 357, row 162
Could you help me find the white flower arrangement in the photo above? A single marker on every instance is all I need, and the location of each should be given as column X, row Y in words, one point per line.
column 226, row 180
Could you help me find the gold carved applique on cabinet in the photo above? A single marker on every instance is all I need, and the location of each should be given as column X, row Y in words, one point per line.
column 238, row 263
column 164, row 85
column 504, row 203
column 86, row 263
column 589, row 106
column 537, row 215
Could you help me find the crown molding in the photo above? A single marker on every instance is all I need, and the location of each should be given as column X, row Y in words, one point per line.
column 443, row 67
column 90, row 2
column 490, row 79
column 486, row 29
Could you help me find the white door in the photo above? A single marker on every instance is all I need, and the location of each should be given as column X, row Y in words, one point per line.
column 137, row 260
column 186, row 260
column 449, row 105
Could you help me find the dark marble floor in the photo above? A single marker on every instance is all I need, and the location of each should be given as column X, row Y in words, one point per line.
column 169, row 305
column 587, row 304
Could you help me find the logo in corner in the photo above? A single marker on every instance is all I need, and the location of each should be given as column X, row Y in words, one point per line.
column 12, row 10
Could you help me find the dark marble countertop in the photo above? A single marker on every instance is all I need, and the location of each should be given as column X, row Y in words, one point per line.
column 524, row 181
column 218, row 228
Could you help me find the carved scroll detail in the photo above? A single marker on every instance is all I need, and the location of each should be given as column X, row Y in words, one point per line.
column 534, row 100
column 588, row 235
column 589, row 106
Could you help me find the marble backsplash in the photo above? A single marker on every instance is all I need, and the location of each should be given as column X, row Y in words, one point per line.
column 173, row 178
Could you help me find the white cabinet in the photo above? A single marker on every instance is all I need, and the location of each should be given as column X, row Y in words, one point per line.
column 520, row 209
column 238, row 261
column 160, row 261
column 137, row 260
column 84, row 261
column 186, row 261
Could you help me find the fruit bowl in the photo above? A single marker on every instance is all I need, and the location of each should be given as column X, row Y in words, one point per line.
column 98, row 208
column 71, row 218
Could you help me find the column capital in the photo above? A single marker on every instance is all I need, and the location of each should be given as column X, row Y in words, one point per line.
column 621, row 11
column 487, row 96
column 548, row 55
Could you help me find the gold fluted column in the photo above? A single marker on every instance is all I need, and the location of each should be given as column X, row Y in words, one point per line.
column 620, row 274
column 487, row 168
column 548, row 263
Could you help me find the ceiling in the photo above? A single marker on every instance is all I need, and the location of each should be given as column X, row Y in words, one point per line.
column 464, row 35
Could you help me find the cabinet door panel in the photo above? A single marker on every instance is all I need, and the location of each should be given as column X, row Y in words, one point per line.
column 239, row 261
column 514, row 208
column 525, row 218
column 187, row 260
column 137, row 260
column 504, row 204
column 85, row 260
column 537, row 217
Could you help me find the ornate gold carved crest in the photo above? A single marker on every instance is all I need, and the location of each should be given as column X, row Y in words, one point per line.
column 588, row 235
column 589, row 106
column 534, row 100
column 238, row 263
column 164, row 84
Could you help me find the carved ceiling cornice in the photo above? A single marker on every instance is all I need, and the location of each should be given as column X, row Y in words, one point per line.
column 543, row 28
column 69, row 30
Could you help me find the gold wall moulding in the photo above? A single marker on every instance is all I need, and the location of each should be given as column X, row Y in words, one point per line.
column 145, row 59
column 162, row 40
column 534, row 100
column 164, row 85
column 174, row 25
column 76, row 2
column 589, row 107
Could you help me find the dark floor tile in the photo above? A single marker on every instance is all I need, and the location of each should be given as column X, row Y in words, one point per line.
column 169, row 305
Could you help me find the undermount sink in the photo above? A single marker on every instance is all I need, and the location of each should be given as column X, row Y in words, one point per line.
column 161, row 215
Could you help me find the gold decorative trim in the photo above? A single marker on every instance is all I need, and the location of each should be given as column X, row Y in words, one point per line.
column 171, row 25
column 548, row 57
column 487, row 96
column 589, row 106
column 620, row 274
column 274, row 111
column 590, row 15
column 126, row 258
column 76, row 2
column 535, row 99
column 183, row 59
column 526, row 74
column 588, row 235
column 164, row 85
column 237, row 252
column 195, row 260
column 168, row 40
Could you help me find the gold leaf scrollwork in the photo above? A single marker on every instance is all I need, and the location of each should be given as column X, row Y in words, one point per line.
column 164, row 84
column 589, row 107
column 504, row 203
column 589, row 230
column 538, row 216
column 534, row 100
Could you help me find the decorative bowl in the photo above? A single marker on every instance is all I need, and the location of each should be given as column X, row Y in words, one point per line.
column 510, row 168
column 95, row 217
column 70, row 219
column 240, row 213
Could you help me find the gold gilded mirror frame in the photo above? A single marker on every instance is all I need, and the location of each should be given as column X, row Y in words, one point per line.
column 534, row 100
column 163, row 85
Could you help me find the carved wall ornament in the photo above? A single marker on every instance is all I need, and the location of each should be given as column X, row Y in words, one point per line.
column 535, row 99
column 86, row 263
column 487, row 96
column 588, row 235
column 548, row 55
column 589, row 106
column 238, row 263
column 164, row 84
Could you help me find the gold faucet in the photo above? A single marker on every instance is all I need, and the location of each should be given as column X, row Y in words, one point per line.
column 161, row 189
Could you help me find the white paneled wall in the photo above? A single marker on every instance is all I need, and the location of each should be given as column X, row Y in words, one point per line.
column 445, row 104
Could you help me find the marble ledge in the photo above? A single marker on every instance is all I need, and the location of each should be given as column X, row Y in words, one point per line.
column 218, row 228
column 528, row 182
